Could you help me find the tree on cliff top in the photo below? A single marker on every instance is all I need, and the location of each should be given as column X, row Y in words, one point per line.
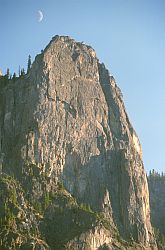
column 29, row 64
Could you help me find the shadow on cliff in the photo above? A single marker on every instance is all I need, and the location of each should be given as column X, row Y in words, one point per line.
column 102, row 183
column 21, row 98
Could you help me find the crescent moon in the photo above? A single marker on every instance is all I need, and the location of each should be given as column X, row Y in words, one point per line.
column 41, row 16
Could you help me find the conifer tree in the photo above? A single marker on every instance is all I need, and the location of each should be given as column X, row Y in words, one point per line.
column 14, row 76
column 29, row 64
column 8, row 73
column 22, row 72
column 19, row 71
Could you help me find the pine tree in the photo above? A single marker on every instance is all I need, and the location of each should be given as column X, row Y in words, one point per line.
column 8, row 73
column 29, row 64
column 19, row 71
column 22, row 72
column 153, row 172
column 14, row 76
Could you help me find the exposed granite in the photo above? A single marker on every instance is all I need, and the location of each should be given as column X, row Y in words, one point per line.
column 67, row 118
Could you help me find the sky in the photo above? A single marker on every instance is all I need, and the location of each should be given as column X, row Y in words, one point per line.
column 128, row 36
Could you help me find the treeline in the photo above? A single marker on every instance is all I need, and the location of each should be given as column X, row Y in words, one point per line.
column 8, row 77
column 154, row 175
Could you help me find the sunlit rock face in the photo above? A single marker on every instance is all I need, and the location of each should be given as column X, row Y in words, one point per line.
column 67, row 117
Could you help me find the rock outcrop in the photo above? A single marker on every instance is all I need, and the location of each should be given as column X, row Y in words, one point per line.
column 18, row 220
column 65, row 122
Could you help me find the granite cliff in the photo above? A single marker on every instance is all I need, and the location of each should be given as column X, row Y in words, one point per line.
column 66, row 138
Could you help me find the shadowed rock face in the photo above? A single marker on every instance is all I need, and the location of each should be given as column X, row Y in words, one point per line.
column 67, row 117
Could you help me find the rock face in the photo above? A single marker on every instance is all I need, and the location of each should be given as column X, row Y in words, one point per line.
column 67, row 118
column 157, row 201
column 18, row 220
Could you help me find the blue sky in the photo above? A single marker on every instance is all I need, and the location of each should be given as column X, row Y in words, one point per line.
column 128, row 36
